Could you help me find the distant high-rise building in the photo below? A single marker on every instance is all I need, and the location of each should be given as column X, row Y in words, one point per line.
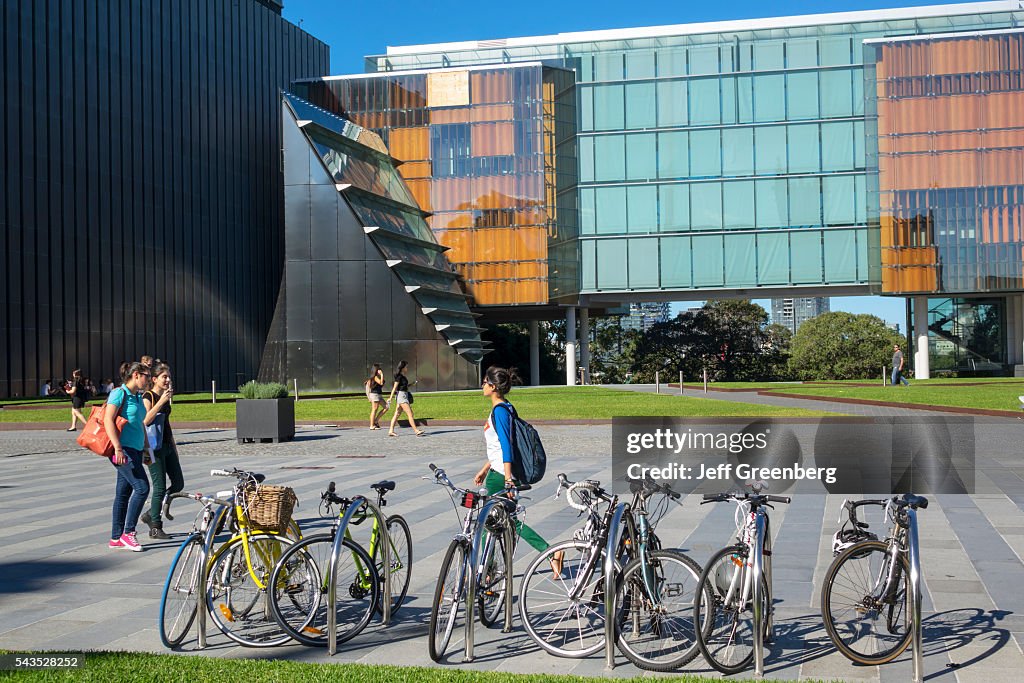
column 792, row 313
column 643, row 316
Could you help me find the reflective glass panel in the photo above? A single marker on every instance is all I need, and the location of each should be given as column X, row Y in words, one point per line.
column 674, row 206
column 641, row 156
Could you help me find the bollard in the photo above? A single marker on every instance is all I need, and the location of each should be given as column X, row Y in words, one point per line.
column 657, row 382
column 680, row 382
column 295, row 383
column 213, row 390
column 705, row 380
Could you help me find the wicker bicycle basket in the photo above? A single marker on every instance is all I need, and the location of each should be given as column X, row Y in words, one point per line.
column 269, row 508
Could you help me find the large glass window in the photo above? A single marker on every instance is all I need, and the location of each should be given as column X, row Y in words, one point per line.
column 643, row 263
column 745, row 99
column 672, row 104
column 769, row 55
column 858, row 92
column 771, row 203
column 608, row 107
column 588, row 225
column 611, row 264
column 801, row 52
column 839, row 199
column 642, row 208
column 769, row 97
column 835, row 51
column 705, row 105
column 586, row 151
column 640, row 109
column 611, row 210
column 738, row 204
column 737, row 151
column 641, row 156
column 804, row 201
column 705, row 153
column 609, row 157
column 673, row 154
column 837, row 146
column 639, row 64
column 674, row 207
column 589, row 263
column 773, row 258
column 806, row 256
column 836, row 93
column 586, row 109
column 707, row 267
column 672, row 62
column 770, row 150
column 608, row 66
column 706, row 206
column 840, row 256
column 804, row 148
column 729, row 113
column 740, row 260
column 802, row 95
column 675, row 262
column 704, row 60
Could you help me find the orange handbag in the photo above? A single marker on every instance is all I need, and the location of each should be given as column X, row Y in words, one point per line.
column 94, row 434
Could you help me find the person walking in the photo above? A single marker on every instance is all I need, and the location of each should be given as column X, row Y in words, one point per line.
column 401, row 386
column 374, row 390
column 166, row 464
column 496, row 474
column 132, row 487
column 78, row 390
column 897, row 366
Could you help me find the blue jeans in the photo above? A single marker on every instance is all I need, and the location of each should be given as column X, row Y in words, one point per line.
column 897, row 376
column 130, row 493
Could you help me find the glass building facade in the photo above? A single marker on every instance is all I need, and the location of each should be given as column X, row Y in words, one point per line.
column 490, row 154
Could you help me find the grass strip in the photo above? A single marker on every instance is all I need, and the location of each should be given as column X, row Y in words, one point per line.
column 994, row 396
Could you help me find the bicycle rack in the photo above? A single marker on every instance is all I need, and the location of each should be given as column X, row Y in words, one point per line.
column 758, row 571
column 475, row 558
column 614, row 530
column 332, row 581
column 204, row 577
column 915, row 588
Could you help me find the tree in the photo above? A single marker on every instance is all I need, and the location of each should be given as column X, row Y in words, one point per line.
column 841, row 345
column 511, row 348
column 612, row 350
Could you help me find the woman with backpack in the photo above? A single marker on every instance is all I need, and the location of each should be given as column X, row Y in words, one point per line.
column 496, row 474
column 374, row 389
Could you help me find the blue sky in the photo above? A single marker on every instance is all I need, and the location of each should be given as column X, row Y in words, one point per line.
column 356, row 29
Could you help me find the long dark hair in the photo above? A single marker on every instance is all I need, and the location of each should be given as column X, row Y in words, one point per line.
column 501, row 379
column 402, row 365
column 376, row 369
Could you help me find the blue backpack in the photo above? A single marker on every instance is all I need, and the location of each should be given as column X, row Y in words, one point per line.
column 528, row 457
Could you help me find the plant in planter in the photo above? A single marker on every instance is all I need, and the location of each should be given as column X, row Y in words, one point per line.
column 264, row 413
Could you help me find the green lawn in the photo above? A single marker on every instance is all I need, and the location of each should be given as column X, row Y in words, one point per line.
column 532, row 404
column 997, row 395
column 113, row 667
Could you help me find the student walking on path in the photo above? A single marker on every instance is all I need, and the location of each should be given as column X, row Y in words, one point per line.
column 132, row 487
column 78, row 390
column 405, row 399
column 897, row 367
column 165, row 451
column 374, row 389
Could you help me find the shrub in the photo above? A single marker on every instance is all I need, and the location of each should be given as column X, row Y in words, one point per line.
column 254, row 389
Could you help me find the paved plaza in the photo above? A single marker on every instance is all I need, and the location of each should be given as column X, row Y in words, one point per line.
column 63, row 589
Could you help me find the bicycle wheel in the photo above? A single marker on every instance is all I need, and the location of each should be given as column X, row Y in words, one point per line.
column 181, row 592
column 237, row 597
column 655, row 610
column 490, row 591
column 448, row 595
column 726, row 638
column 866, row 626
column 564, row 625
column 300, row 580
column 401, row 562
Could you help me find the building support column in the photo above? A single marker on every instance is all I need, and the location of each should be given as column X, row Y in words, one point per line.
column 570, row 346
column 534, row 354
column 585, row 343
column 921, row 370
column 1015, row 333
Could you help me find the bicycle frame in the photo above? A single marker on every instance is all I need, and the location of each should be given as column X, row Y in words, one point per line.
column 476, row 559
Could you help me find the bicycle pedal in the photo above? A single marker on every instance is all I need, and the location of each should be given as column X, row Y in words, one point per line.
column 226, row 611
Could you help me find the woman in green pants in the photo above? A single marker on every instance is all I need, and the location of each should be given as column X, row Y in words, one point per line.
column 496, row 474
column 165, row 463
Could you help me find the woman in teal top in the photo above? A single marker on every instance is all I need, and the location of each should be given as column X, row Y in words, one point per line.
column 132, row 487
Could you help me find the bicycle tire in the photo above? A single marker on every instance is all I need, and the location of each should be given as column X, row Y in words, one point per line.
column 490, row 593
column 237, row 605
column 848, row 583
column 448, row 595
column 726, row 638
column 658, row 637
column 299, row 600
column 178, row 610
column 544, row 602
column 401, row 566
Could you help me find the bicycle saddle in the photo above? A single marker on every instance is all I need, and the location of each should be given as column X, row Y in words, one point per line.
column 382, row 486
column 915, row 502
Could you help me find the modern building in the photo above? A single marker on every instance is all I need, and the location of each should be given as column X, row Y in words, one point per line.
column 763, row 158
column 141, row 201
column 643, row 316
column 792, row 313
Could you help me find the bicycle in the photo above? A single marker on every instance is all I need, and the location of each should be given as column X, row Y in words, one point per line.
column 736, row 588
column 564, row 611
column 476, row 568
column 306, row 616
column 180, row 598
column 871, row 597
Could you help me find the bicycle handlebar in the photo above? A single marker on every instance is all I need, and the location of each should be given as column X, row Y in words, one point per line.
column 759, row 498
column 198, row 497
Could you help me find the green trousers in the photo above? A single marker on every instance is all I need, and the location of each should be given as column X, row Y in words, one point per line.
column 165, row 466
column 496, row 482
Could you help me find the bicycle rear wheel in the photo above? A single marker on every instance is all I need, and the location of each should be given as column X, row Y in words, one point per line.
column 490, row 592
column 726, row 638
column 448, row 595
column 401, row 561
column 867, row 627
column 237, row 598
column 300, row 580
column 564, row 625
column 655, row 610
column 180, row 598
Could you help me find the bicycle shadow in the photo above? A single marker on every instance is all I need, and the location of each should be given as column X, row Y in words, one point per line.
column 946, row 632
column 797, row 640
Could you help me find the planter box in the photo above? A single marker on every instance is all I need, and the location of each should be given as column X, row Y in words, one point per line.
column 265, row 419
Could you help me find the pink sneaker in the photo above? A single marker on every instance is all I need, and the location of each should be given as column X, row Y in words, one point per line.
column 128, row 542
column 115, row 543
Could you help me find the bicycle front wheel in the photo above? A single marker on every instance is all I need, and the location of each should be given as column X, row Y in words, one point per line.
column 300, row 581
column 236, row 590
column 181, row 592
column 564, row 611
column 725, row 610
column 448, row 595
column 867, row 625
column 655, row 617
column 401, row 561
